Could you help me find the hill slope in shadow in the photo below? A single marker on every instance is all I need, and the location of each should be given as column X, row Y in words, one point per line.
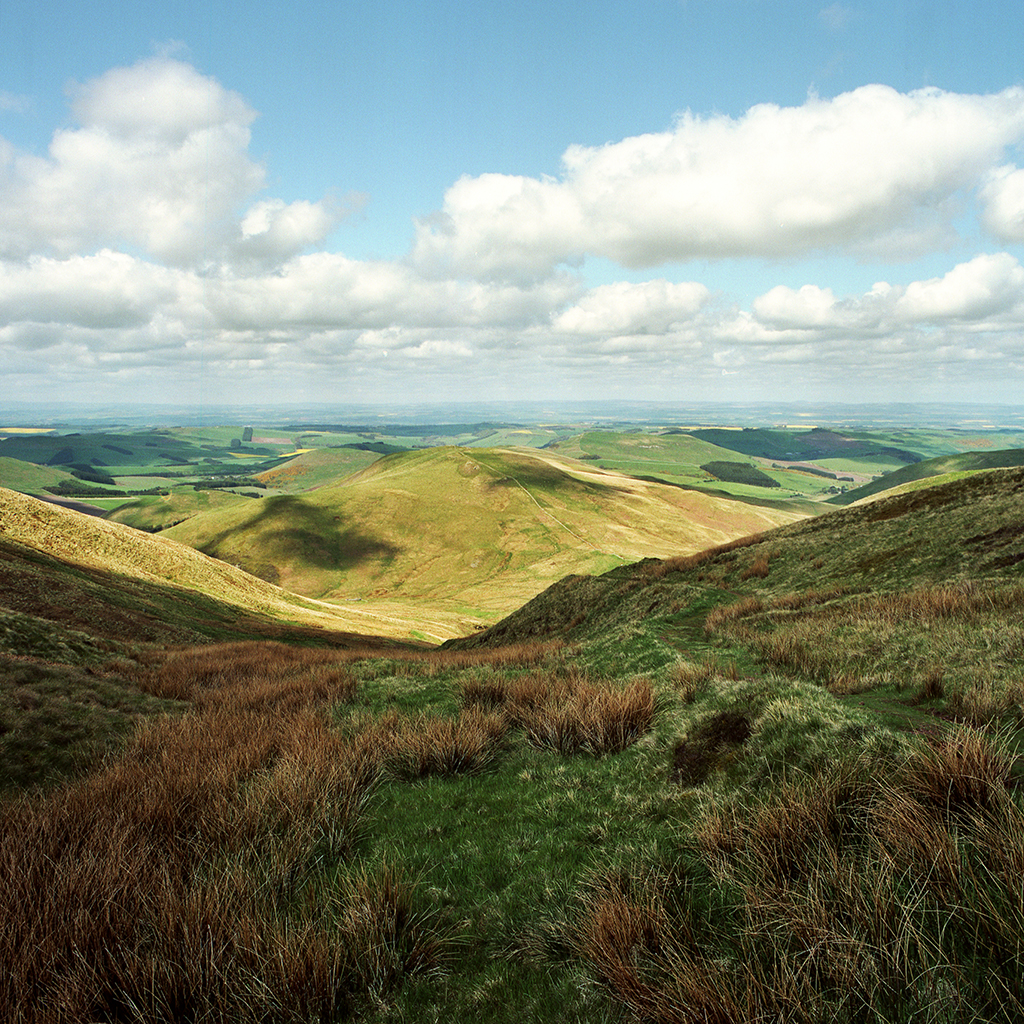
column 467, row 533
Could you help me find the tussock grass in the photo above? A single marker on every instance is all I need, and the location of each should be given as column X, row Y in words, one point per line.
column 426, row 744
column 570, row 713
column 186, row 878
column 959, row 642
column 873, row 892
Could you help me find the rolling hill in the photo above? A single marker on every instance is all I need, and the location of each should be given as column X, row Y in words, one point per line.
column 468, row 533
column 778, row 778
column 964, row 532
column 968, row 462
column 114, row 581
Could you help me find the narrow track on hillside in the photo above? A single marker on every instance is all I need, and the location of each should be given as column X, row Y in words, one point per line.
column 572, row 533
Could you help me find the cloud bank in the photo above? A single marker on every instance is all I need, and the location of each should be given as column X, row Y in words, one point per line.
column 851, row 174
column 142, row 251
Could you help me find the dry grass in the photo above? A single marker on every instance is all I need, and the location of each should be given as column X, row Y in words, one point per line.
column 961, row 643
column 872, row 893
column 413, row 747
column 185, row 879
column 569, row 712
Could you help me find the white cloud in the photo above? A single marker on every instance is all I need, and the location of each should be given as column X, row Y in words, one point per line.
column 777, row 182
column 158, row 163
column 327, row 290
column 108, row 290
column 986, row 287
column 984, row 293
column 651, row 307
column 141, row 252
column 1003, row 198
column 15, row 104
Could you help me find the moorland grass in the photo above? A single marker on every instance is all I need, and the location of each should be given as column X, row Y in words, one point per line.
column 638, row 813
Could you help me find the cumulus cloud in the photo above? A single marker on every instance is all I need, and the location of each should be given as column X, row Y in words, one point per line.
column 776, row 182
column 323, row 290
column 989, row 286
column 984, row 293
column 158, row 162
column 651, row 307
column 109, row 289
column 142, row 245
column 1003, row 198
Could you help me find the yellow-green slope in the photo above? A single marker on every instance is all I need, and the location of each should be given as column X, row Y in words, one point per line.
column 468, row 533
column 95, row 543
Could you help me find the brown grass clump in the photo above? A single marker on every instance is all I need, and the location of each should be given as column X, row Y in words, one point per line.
column 758, row 568
column 872, row 893
column 961, row 773
column 650, row 960
column 730, row 612
column 256, row 674
column 570, row 713
column 415, row 747
column 185, row 879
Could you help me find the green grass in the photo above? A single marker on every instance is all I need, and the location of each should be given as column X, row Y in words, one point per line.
column 57, row 720
column 18, row 475
column 939, row 466
column 821, row 821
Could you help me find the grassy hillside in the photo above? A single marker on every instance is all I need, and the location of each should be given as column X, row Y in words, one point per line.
column 968, row 462
column 37, row 532
column 463, row 535
column 679, row 457
column 318, row 467
column 153, row 513
column 778, row 779
column 28, row 478
column 799, row 445
column 964, row 532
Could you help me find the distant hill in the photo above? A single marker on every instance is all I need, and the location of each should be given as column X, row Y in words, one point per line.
column 29, row 478
column 800, row 445
column 466, row 533
column 113, row 581
column 319, row 467
column 967, row 462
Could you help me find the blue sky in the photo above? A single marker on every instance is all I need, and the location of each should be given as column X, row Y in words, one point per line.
column 673, row 200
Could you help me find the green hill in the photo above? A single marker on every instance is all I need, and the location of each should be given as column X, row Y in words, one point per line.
column 962, row 533
column 969, row 462
column 318, row 467
column 177, row 588
column 800, row 445
column 463, row 535
column 27, row 477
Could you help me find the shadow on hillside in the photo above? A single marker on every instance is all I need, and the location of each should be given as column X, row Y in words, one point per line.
column 291, row 530
column 541, row 476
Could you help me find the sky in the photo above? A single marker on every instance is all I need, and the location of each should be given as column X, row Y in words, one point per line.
column 646, row 200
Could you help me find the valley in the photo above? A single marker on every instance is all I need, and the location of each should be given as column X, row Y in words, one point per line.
column 512, row 721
